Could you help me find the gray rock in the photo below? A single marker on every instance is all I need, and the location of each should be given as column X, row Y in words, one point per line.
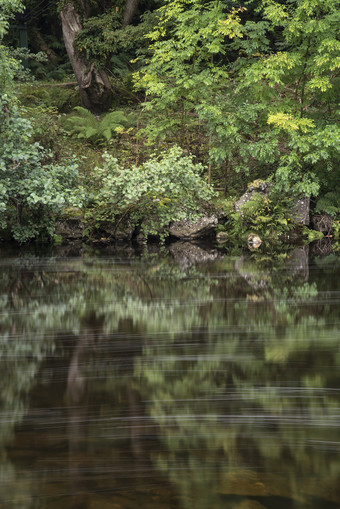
column 300, row 210
column 194, row 229
column 120, row 231
column 257, row 279
column 124, row 231
column 257, row 187
column 69, row 228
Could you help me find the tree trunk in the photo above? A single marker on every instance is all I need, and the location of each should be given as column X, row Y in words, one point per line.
column 94, row 85
column 38, row 43
column 130, row 9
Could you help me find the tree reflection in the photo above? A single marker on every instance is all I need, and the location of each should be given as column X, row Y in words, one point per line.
column 231, row 368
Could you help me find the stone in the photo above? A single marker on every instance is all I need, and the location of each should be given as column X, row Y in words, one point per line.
column 124, row 232
column 69, row 228
column 257, row 187
column 202, row 227
column 300, row 210
column 298, row 263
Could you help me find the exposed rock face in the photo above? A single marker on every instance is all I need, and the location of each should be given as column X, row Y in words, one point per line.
column 69, row 228
column 124, row 231
column 194, row 229
column 188, row 254
column 258, row 187
column 258, row 280
column 300, row 210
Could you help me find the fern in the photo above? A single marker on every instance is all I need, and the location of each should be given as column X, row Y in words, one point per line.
column 329, row 203
column 87, row 126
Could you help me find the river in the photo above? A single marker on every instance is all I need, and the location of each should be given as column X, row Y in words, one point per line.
column 169, row 379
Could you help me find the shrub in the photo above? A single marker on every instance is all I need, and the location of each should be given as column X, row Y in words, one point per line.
column 164, row 189
column 31, row 189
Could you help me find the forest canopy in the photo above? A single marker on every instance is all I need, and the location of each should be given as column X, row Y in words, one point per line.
column 249, row 89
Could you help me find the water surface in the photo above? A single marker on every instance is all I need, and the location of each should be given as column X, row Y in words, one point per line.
column 183, row 379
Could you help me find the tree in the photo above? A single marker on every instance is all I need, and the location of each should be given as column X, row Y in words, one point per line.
column 32, row 188
column 94, row 84
column 262, row 87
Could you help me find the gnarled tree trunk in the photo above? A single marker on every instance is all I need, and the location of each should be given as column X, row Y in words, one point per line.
column 94, row 85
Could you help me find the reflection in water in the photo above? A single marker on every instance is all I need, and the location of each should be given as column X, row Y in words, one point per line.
column 207, row 381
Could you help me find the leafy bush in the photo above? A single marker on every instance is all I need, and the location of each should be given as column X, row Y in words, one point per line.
column 87, row 126
column 329, row 203
column 164, row 189
column 31, row 190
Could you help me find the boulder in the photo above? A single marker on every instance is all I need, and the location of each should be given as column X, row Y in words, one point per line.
column 298, row 263
column 257, row 187
column 300, row 210
column 69, row 228
column 202, row 227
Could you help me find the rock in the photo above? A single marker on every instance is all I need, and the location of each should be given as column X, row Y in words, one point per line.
column 256, row 187
column 254, row 241
column 300, row 210
column 188, row 254
column 69, row 228
column 140, row 238
column 258, row 280
column 194, row 229
column 124, row 231
column 121, row 230
column 222, row 237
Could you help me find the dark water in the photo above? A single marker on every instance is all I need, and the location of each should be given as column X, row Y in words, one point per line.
column 183, row 379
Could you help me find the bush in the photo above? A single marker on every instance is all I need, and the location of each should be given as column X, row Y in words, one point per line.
column 32, row 191
column 164, row 189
